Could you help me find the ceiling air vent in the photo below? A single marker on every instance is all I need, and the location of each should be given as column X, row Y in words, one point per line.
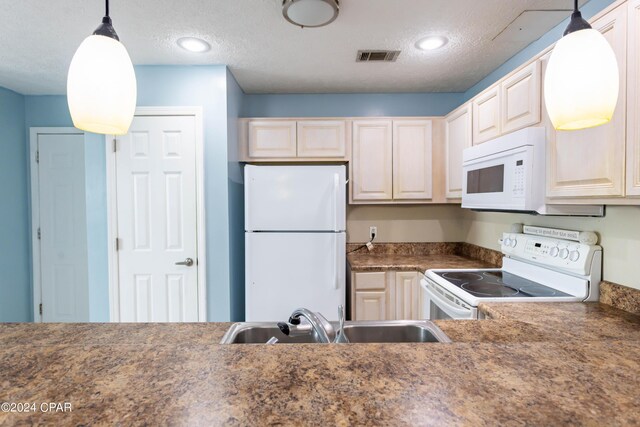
column 377, row 55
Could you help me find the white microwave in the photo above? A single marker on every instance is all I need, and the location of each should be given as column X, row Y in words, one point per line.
column 509, row 174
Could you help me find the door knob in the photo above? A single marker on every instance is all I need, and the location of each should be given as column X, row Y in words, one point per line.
column 188, row 262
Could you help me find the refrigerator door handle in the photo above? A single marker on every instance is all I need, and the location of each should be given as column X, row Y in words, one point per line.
column 336, row 269
column 336, row 188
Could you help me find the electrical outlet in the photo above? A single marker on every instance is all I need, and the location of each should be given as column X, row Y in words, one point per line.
column 373, row 231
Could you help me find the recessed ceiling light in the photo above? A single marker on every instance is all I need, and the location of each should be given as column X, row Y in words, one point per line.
column 193, row 44
column 431, row 42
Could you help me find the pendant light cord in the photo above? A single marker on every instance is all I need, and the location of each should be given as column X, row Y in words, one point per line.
column 575, row 5
column 107, row 7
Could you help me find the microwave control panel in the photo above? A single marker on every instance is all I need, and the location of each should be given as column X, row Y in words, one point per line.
column 518, row 178
column 559, row 253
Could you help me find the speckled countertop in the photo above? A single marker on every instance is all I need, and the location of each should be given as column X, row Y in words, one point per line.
column 534, row 364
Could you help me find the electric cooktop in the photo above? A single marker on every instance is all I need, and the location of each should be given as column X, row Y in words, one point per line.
column 498, row 284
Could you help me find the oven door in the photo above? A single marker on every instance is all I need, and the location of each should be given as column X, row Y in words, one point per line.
column 499, row 181
column 438, row 307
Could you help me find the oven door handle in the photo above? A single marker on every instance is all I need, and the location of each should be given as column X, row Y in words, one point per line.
column 452, row 310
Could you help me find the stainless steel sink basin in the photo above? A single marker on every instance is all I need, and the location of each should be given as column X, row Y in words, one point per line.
column 392, row 331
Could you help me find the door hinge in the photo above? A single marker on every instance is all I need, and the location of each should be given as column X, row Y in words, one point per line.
column 115, row 145
column 39, row 234
column 38, row 156
column 40, row 309
column 117, row 244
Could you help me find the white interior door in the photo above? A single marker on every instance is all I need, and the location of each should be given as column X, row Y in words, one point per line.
column 63, row 228
column 156, row 220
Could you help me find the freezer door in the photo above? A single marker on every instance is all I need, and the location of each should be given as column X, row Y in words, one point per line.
column 295, row 198
column 285, row 271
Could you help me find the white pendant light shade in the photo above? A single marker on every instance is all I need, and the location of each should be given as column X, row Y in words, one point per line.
column 101, row 86
column 581, row 82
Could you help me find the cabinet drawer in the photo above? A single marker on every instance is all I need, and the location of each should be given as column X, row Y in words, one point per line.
column 272, row 138
column 370, row 280
column 321, row 138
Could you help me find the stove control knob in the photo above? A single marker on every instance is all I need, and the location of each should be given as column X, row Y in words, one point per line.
column 514, row 242
column 574, row 256
column 554, row 251
column 507, row 242
column 564, row 253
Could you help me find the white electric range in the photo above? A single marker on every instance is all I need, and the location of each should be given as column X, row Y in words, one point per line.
column 534, row 269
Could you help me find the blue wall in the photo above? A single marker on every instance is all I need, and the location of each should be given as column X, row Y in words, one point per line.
column 350, row 104
column 235, row 103
column 15, row 272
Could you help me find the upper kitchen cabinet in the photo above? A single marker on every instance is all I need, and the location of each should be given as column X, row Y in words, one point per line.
column 486, row 115
column 371, row 169
column 268, row 140
column 591, row 162
column 392, row 161
column 322, row 138
column 457, row 137
column 510, row 105
column 412, row 159
column 272, row 138
column 520, row 98
column 633, row 100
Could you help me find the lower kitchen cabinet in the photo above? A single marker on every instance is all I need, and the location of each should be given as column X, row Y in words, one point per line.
column 386, row 295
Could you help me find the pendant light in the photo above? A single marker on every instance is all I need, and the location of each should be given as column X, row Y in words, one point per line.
column 101, row 84
column 581, row 81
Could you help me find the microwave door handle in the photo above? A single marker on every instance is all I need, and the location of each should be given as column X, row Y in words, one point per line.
column 452, row 310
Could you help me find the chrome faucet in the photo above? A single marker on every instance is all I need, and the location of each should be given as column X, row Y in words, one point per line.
column 317, row 323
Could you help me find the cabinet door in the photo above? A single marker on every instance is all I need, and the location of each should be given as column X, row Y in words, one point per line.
column 633, row 101
column 322, row 138
column 520, row 97
column 412, row 164
column 408, row 296
column 372, row 160
column 457, row 138
column 272, row 138
column 590, row 162
column 371, row 305
column 486, row 115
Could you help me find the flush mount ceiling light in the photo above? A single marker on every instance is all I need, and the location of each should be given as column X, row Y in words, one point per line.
column 310, row 13
column 581, row 82
column 431, row 42
column 193, row 44
column 101, row 84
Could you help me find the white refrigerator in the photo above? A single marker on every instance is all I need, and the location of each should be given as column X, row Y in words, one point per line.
column 295, row 238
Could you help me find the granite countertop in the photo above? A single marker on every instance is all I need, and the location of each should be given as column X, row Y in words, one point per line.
column 530, row 363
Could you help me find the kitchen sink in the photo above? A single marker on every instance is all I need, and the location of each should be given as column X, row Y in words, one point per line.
column 391, row 331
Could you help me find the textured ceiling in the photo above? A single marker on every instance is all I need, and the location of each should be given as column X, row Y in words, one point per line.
column 266, row 53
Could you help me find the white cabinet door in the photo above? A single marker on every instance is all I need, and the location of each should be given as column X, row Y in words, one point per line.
column 486, row 115
column 372, row 160
column 408, row 297
column 590, row 162
column 633, row 101
column 156, row 204
column 457, row 138
column 371, row 305
column 412, row 159
column 272, row 138
column 322, row 138
column 520, row 97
